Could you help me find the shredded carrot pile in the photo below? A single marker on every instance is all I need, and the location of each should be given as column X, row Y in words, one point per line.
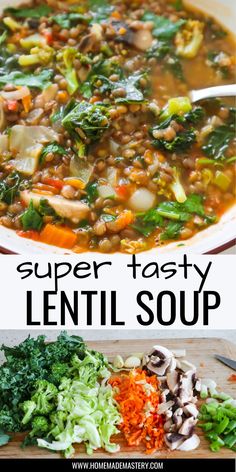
column 137, row 395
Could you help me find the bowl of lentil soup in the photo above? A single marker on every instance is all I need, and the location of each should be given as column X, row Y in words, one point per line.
column 100, row 147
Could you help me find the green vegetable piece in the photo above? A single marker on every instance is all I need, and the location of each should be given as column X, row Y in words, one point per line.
column 92, row 191
column 67, row 20
column 36, row 12
column 40, row 426
column 9, row 188
column 44, row 397
column 53, row 148
column 176, row 106
column 91, row 119
column 40, row 81
column 28, row 408
column 101, row 10
column 45, row 209
column 222, row 426
column 31, row 219
column 217, row 142
column 3, row 37
column 172, row 231
column 163, row 27
column 222, row 180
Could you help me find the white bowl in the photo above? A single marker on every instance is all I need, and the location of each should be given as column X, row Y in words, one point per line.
column 212, row 239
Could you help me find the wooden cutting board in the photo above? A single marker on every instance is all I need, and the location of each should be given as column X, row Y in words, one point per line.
column 199, row 351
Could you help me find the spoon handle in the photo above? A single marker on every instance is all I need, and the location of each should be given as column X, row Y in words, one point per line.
column 213, row 92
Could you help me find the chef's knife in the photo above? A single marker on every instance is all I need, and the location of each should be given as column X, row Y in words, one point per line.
column 225, row 360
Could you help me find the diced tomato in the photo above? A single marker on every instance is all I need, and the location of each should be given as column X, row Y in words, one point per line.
column 122, row 191
column 29, row 235
column 48, row 36
column 54, row 182
column 12, row 105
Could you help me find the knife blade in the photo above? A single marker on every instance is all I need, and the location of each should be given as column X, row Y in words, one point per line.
column 225, row 360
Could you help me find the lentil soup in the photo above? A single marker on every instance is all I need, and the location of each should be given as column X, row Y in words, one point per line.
column 100, row 147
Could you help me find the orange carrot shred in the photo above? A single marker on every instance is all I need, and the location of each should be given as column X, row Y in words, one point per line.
column 138, row 397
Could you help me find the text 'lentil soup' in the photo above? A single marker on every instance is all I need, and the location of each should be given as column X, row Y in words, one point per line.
column 100, row 147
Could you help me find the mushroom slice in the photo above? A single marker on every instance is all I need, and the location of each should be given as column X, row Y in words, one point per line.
column 190, row 444
column 185, row 366
column 141, row 39
column 187, row 427
column 168, row 425
column 173, row 381
column 74, row 210
column 159, row 360
column 163, row 407
column 173, row 440
column 191, row 410
column 172, row 365
column 186, row 387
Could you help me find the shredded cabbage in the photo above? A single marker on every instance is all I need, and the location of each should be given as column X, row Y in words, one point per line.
column 86, row 410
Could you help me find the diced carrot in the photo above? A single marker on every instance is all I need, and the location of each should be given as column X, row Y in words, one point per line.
column 58, row 236
column 75, row 182
column 27, row 103
column 136, row 394
column 45, row 188
column 12, row 105
column 115, row 14
column 57, row 183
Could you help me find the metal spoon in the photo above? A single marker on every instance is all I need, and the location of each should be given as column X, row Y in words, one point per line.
column 213, row 92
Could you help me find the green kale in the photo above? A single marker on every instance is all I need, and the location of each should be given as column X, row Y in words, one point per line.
column 163, row 27
column 101, row 69
column 185, row 137
column 217, row 142
column 172, row 216
column 146, row 223
column 8, row 61
column 53, row 148
column 172, row 231
column 9, row 188
column 36, row 12
column 92, row 191
column 68, row 20
column 45, row 209
column 26, row 364
column 41, row 80
column 214, row 60
column 86, row 121
column 31, row 219
column 101, row 10
column 164, row 52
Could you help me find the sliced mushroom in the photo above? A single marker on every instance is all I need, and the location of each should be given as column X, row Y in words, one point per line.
column 160, row 359
column 163, row 407
column 186, row 388
column 164, row 395
column 91, row 42
column 191, row 410
column 168, row 425
column 173, row 381
column 190, row 444
column 172, row 365
column 141, row 39
column 187, row 427
column 185, row 366
column 173, row 440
